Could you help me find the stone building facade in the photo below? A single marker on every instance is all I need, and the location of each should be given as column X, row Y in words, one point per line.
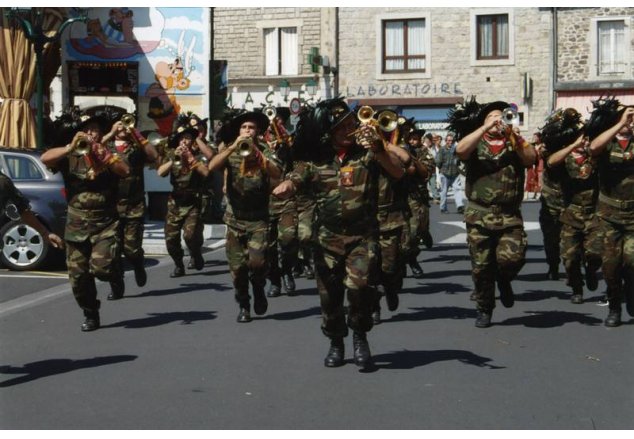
column 595, row 55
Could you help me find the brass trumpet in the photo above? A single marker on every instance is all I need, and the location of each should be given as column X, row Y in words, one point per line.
column 82, row 146
column 387, row 121
column 510, row 116
column 246, row 147
column 129, row 121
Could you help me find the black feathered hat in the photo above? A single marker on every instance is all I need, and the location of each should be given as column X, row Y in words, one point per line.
column 181, row 126
column 258, row 117
column 491, row 106
column 561, row 128
column 104, row 116
column 223, row 134
column 607, row 112
column 464, row 118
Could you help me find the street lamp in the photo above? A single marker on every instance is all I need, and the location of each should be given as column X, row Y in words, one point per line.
column 35, row 34
column 311, row 87
column 285, row 89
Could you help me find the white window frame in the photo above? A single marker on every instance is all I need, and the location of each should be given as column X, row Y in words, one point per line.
column 277, row 24
column 379, row 45
column 473, row 19
column 594, row 47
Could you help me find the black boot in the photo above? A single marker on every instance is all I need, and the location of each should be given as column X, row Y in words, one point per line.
column 391, row 298
column 577, row 296
column 614, row 318
column 362, row 356
column 179, row 270
column 244, row 316
column 427, row 239
column 553, row 272
column 91, row 322
column 483, row 319
column 308, row 271
column 417, row 271
column 506, row 293
column 335, row 353
column 117, row 289
column 289, row 284
column 140, row 276
column 274, row 291
column 260, row 304
column 198, row 261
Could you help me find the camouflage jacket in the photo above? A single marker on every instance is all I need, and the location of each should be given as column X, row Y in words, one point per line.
column 616, row 180
column 415, row 184
column 346, row 191
column 131, row 191
column 392, row 202
column 248, row 188
column 551, row 184
column 279, row 205
column 581, row 183
column 494, row 187
column 186, row 182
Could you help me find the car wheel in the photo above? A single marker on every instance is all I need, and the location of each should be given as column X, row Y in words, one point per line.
column 23, row 246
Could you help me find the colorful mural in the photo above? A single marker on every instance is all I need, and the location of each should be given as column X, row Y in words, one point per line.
column 170, row 46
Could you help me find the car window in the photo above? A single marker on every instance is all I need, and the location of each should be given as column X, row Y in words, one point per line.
column 22, row 168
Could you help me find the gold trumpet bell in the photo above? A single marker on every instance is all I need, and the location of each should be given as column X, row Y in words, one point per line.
column 365, row 114
column 128, row 120
column 387, row 121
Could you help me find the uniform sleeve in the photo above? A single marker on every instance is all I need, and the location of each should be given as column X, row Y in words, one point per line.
column 301, row 173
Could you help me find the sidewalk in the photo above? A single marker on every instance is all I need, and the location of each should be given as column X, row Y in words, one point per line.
column 154, row 238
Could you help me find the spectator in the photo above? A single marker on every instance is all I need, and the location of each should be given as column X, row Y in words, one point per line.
column 447, row 162
column 434, row 147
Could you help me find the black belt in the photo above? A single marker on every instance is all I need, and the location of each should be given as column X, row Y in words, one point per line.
column 493, row 208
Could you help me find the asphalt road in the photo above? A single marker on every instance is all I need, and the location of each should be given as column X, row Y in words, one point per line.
column 171, row 356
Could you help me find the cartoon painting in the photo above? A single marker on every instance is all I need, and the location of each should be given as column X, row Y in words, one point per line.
column 170, row 46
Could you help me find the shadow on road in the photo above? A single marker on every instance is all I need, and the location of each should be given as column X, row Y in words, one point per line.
column 427, row 288
column 293, row 315
column 551, row 319
column 410, row 359
column 184, row 288
column 46, row 368
column 444, row 312
column 157, row 319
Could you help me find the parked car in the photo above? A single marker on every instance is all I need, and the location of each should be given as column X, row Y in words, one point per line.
column 24, row 248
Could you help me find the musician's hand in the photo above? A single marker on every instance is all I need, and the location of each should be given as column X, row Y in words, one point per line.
column 284, row 190
column 117, row 127
column 101, row 154
column 628, row 116
column 55, row 240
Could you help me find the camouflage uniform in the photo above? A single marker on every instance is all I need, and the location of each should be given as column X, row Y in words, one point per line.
column 305, row 203
column 282, row 233
column 184, row 205
column 92, row 242
column 580, row 237
column 246, row 217
column 418, row 202
column 552, row 205
column 346, row 195
column 392, row 218
column 131, row 203
column 616, row 217
column 495, row 229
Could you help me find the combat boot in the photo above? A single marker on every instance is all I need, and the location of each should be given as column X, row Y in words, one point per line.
column 391, row 298
column 335, row 353
column 199, row 261
column 140, row 276
column 417, row 271
column 614, row 318
column 553, row 272
column 274, row 291
column 308, row 271
column 506, row 293
column 289, row 284
column 179, row 270
column 260, row 304
column 117, row 289
column 483, row 319
column 577, row 296
column 362, row 356
column 91, row 322
column 244, row 316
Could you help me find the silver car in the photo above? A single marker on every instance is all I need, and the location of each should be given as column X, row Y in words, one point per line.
column 24, row 248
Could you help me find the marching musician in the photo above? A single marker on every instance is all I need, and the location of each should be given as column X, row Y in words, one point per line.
column 90, row 173
column 343, row 173
column 250, row 169
column 188, row 170
column 610, row 128
column 137, row 152
column 496, row 159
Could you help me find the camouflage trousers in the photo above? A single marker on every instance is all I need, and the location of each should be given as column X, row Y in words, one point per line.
column 418, row 225
column 131, row 237
column 617, row 260
column 342, row 266
column 305, row 231
column 580, row 245
column 96, row 257
column 390, row 262
column 551, row 229
column 495, row 254
column 185, row 217
column 283, row 245
column 246, row 248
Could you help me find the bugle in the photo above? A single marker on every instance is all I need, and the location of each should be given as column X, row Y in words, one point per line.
column 246, row 147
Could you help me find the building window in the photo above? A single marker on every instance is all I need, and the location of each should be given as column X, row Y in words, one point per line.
column 404, row 46
column 492, row 36
column 281, row 51
column 611, row 47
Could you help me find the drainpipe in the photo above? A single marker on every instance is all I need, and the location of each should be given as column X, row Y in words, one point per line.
column 554, row 37
column 336, row 81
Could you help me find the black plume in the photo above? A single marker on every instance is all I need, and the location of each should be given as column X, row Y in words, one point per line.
column 604, row 116
column 463, row 119
column 561, row 128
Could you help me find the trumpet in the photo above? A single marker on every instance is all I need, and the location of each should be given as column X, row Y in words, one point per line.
column 83, row 145
column 387, row 121
column 129, row 121
column 246, row 147
column 156, row 140
column 270, row 112
column 510, row 116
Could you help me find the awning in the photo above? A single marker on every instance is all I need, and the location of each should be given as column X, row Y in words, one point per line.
column 582, row 100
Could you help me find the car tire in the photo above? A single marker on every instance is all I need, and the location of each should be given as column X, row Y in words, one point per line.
column 23, row 246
